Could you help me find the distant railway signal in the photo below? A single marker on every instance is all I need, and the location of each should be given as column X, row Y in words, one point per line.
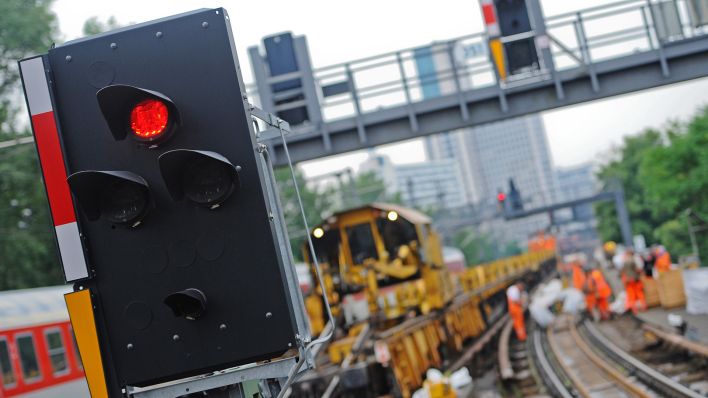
column 173, row 234
column 511, row 36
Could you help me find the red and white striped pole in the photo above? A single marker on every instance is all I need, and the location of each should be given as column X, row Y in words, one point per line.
column 491, row 23
column 496, row 48
column 51, row 158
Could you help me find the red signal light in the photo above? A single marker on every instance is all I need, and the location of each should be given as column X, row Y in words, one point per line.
column 149, row 119
column 501, row 196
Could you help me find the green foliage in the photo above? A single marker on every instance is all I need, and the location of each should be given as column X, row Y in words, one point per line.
column 675, row 177
column 370, row 188
column 622, row 171
column 316, row 202
column 28, row 256
column 663, row 173
column 320, row 201
column 94, row 26
column 480, row 247
column 674, row 235
column 27, row 27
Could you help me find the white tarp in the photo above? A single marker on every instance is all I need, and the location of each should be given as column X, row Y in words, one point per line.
column 547, row 294
column 695, row 283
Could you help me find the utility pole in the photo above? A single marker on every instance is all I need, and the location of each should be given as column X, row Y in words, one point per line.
column 411, row 191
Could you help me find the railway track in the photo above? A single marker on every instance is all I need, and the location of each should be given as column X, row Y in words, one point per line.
column 518, row 365
column 610, row 359
column 590, row 374
column 669, row 369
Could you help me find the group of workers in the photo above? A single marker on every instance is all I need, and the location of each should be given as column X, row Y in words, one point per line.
column 633, row 267
column 589, row 279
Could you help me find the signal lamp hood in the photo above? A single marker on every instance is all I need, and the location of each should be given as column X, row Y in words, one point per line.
column 118, row 101
column 120, row 197
column 189, row 303
column 204, row 177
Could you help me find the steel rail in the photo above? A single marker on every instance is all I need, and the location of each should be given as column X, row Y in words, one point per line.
column 577, row 384
column 680, row 341
column 505, row 368
column 604, row 365
column 643, row 371
column 545, row 365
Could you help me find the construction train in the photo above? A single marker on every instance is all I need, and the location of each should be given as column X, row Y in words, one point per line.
column 398, row 309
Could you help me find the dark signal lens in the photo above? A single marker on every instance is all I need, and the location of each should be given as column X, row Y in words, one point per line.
column 123, row 202
column 207, row 182
column 149, row 119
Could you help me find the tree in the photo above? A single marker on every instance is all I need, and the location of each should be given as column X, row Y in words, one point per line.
column 622, row 170
column 317, row 203
column 675, row 178
column 372, row 188
column 478, row 247
column 27, row 27
column 28, row 255
column 94, row 26
column 664, row 173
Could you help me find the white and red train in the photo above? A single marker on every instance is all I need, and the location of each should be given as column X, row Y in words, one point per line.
column 38, row 355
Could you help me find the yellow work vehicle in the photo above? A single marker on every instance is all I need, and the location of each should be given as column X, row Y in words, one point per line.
column 382, row 260
column 398, row 310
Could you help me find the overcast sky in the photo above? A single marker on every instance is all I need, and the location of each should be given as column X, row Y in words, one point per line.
column 340, row 31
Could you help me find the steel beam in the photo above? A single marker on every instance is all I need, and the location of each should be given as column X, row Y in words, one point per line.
column 688, row 60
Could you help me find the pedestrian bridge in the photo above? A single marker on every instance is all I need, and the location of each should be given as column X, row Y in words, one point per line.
column 591, row 54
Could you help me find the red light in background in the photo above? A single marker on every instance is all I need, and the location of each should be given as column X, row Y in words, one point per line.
column 148, row 119
column 501, row 196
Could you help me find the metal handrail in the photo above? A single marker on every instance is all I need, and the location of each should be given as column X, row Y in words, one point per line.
column 372, row 80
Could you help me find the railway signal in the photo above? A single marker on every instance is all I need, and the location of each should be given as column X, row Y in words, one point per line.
column 511, row 35
column 501, row 201
column 165, row 222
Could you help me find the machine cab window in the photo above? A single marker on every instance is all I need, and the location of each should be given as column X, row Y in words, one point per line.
column 361, row 243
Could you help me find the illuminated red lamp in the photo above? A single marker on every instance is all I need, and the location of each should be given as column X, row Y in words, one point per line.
column 501, row 196
column 149, row 119
column 147, row 116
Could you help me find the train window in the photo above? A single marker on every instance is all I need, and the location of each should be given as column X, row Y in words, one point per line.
column 327, row 248
column 56, row 351
column 77, row 355
column 361, row 243
column 396, row 233
column 28, row 358
column 8, row 375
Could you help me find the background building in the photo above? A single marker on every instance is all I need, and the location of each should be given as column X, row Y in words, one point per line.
column 578, row 225
column 433, row 185
column 490, row 155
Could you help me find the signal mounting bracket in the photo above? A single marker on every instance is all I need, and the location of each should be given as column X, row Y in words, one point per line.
column 274, row 123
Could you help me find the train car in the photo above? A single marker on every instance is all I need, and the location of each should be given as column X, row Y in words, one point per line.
column 398, row 309
column 38, row 354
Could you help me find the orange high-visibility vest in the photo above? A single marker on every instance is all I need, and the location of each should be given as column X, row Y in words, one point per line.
column 578, row 276
column 603, row 289
column 663, row 262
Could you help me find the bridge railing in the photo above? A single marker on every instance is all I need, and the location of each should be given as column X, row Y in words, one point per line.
column 577, row 40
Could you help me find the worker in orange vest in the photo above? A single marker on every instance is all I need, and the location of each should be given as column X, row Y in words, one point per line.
column 632, row 283
column 515, row 301
column 589, row 288
column 663, row 259
column 602, row 293
column 576, row 265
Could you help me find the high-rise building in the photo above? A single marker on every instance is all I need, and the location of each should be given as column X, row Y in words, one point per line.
column 430, row 185
column 578, row 226
column 491, row 155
